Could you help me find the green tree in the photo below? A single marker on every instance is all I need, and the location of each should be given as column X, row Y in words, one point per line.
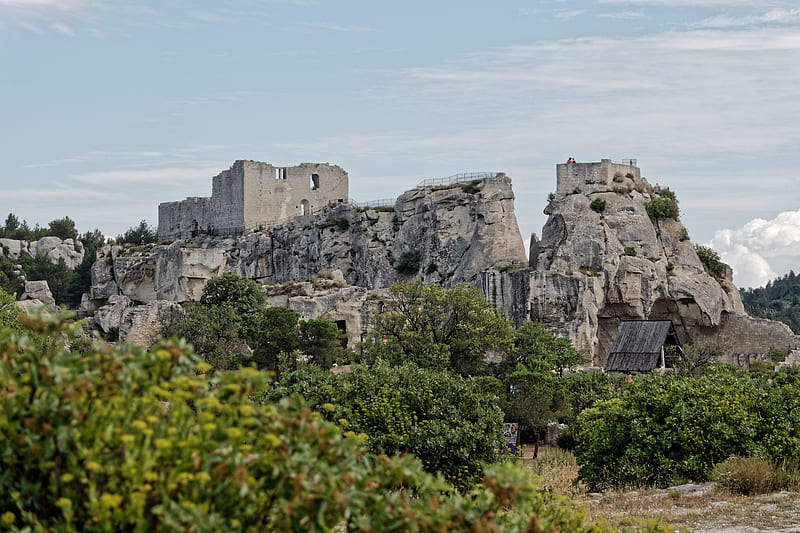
column 662, row 207
column 8, row 312
column 9, row 281
column 665, row 429
column 538, row 350
column 59, row 277
column 711, row 260
column 443, row 419
column 11, row 226
column 535, row 399
column 212, row 330
column 322, row 340
column 438, row 328
column 63, row 228
column 139, row 235
column 244, row 295
column 277, row 332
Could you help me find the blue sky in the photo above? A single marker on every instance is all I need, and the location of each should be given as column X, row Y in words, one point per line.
column 111, row 107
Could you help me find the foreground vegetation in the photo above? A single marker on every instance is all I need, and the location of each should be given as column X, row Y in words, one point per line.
column 104, row 438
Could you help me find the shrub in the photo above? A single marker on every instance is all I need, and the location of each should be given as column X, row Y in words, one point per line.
column 776, row 355
column 432, row 267
column 473, row 187
column 408, row 263
column 629, row 176
column 662, row 208
column 443, row 419
column 598, row 205
column 125, row 439
column 342, row 224
column 631, row 251
column 711, row 260
column 551, row 196
column 666, row 193
column 139, row 235
column 670, row 268
column 745, row 475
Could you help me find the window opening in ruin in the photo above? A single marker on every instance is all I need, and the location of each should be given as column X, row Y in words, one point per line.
column 280, row 173
column 195, row 228
column 305, row 208
column 342, row 325
column 314, row 182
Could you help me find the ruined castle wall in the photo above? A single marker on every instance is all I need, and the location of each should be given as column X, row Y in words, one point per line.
column 177, row 220
column 277, row 193
column 591, row 177
column 227, row 199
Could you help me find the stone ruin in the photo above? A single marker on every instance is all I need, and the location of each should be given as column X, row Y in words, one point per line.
column 252, row 195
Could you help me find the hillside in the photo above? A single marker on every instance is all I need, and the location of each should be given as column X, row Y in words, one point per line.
column 779, row 300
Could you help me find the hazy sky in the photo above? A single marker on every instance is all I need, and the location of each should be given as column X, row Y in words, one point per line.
column 109, row 107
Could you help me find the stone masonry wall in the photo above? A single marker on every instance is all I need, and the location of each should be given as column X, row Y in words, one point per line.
column 277, row 193
column 176, row 219
column 252, row 194
column 591, row 177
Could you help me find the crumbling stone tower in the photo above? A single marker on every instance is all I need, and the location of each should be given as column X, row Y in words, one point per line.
column 252, row 194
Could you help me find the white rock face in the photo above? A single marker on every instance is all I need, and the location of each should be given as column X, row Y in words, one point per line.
column 592, row 270
column 52, row 248
column 38, row 290
column 452, row 235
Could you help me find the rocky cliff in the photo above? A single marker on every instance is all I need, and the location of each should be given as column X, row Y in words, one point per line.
column 447, row 234
column 53, row 248
column 594, row 267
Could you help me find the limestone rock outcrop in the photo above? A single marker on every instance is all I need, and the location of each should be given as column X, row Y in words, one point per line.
column 53, row 248
column 445, row 235
column 603, row 259
column 38, row 290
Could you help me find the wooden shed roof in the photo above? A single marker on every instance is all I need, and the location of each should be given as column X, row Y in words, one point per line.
column 638, row 345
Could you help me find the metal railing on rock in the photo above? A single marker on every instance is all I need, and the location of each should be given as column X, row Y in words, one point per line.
column 384, row 202
column 457, row 178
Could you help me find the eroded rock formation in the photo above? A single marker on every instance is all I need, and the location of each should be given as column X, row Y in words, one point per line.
column 594, row 267
column 447, row 235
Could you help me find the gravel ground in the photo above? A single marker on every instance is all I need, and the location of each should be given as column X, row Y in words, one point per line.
column 702, row 509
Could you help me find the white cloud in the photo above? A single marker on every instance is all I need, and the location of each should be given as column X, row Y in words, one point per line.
column 686, row 3
column 774, row 16
column 755, row 249
column 63, row 29
column 201, row 176
column 567, row 14
column 341, row 27
column 623, row 15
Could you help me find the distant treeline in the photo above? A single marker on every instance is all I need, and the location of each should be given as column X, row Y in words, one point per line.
column 66, row 285
column 779, row 300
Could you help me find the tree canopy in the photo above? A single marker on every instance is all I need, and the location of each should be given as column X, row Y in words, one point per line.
column 438, row 328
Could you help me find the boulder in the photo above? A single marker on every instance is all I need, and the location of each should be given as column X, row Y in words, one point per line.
column 38, row 290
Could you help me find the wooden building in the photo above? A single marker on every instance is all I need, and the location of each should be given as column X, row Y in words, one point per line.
column 639, row 346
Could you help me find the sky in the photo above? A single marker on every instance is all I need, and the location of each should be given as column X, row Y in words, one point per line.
column 110, row 107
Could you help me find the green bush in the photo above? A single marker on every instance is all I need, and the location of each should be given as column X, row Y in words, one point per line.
column 443, row 419
column 711, row 260
column 746, row 475
column 473, row 187
column 598, row 205
column 666, row 429
column 662, row 208
column 342, row 224
column 125, row 439
column 408, row 263
column 630, row 250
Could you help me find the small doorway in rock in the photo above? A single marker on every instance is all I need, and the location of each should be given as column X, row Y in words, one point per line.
column 342, row 325
column 305, row 208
